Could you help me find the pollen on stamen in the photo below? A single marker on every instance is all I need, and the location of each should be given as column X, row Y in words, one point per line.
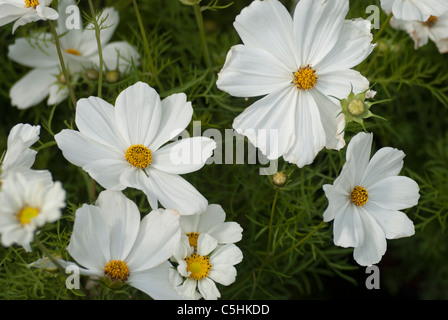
column 73, row 52
column 27, row 214
column 138, row 156
column 117, row 270
column 359, row 196
column 305, row 78
column 431, row 21
column 198, row 266
column 31, row 3
column 193, row 239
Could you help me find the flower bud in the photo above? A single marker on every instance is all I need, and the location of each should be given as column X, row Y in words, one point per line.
column 92, row 74
column 279, row 179
column 112, row 76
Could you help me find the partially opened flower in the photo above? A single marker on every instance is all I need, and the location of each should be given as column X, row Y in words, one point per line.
column 26, row 205
column 80, row 52
column 110, row 242
column 199, row 270
column 419, row 10
column 366, row 199
column 211, row 221
column 124, row 146
column 25, row 11
column 299, row 65
column 434, row 29
column 19, row 157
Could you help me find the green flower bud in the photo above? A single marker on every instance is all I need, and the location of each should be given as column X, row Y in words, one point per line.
column 279, row 179
column 61, row 78
column 92, row 74
column 112, row 76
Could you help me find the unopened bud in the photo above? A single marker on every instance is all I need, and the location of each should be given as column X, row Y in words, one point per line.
column 356, row 107
column 92, row 74
column 279, row 179
column 112, row 76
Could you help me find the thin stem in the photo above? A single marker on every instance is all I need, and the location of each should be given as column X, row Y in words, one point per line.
column 100, row 51
column 297, row 244
column 274, row 203
column 146, row 44
column 383, row 27
column 61, row 60
column 48, row 254
column 200, row 22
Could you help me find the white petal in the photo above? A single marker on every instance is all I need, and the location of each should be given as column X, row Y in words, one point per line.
column 348, row 229
column 183, row 156
column 90, row 238
column 268, row 25
column 310, row 135
column 317, row 27
column 394, row 193
column 38, row 52
column 228, row 254
column 57, row 94
column 250, row 72
column 176, row 115
column 123, row 219
column 138, row 112
column 374, row 245
column 18, row 153
column 33, row 88
column 174, row 192
column 157, row 239
column 117, row 56
column 155, row 282
column 341, row 82
column 206, row 244
column 353, row 46
column 95, row 118
column 337, row 202
column 385, row 162
column 80, row 150
column 107, row 172
column 208, row 289
column 223, row 274
column 269, row 123
column 395, row 224
column 358, row 152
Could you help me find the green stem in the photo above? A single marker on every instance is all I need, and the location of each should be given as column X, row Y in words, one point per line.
column 48, row 254
column 100, row 51
column 146, row 44
column 200, row 22
column 61, row 60
column 297, row 244
column 383, row 27
column 268, row 249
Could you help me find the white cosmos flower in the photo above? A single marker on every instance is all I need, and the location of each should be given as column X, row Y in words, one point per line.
column 199, row 270
column 110, row 242
column 80, row 52
column 25, row 11
column 26, row 205
column 366, row 199
column 123, row 146
column 212, row 222
column 434, row 29
column 419, row 10
column 19, row 157
column 299, row 64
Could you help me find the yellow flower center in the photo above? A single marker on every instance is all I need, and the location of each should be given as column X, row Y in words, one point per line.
column 139, row 156
column 199, row 266
column 117, row 270
column 356, row 107
column 27, row 214
column 73, row 52
column 193, row 239
column 31, row 3
column 305, row 78
column 431, row 21
column 359, row 196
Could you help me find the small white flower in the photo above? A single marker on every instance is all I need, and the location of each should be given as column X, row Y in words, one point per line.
column 123, row 146
column 26, row 205
column 110, row 242
column 19, row 157
column 299, row 65
column 199, row 270
column 25, row 11
column 419, row 10
column 364, row 201
column 80, row 52
column 434, row 29
column 212, row 222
